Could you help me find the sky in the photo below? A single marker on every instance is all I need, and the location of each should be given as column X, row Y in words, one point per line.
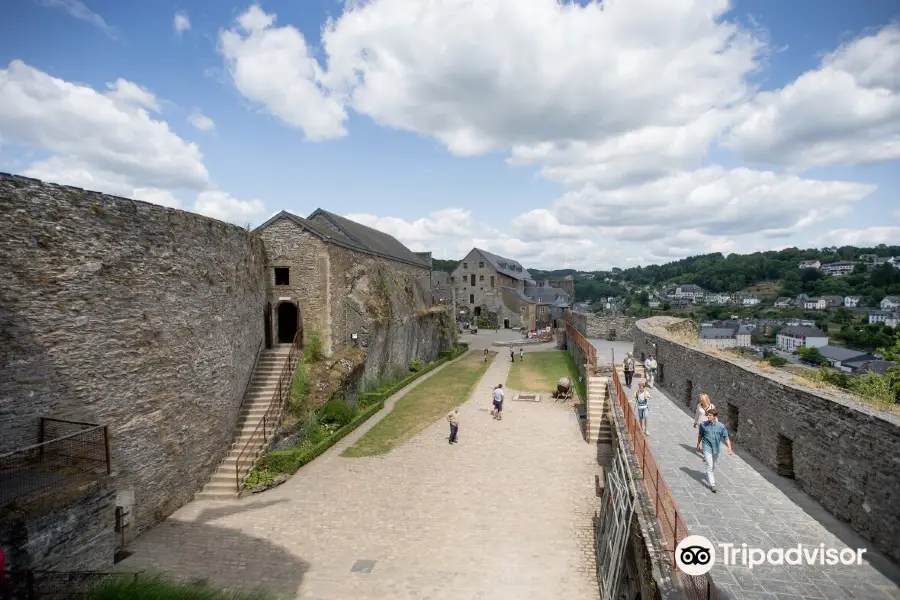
column 562, row 134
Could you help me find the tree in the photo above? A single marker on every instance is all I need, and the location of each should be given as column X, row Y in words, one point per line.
column 842, row 315
column 811, row 356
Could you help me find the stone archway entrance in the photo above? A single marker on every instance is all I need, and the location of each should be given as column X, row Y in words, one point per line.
column 288, row 322
column 267, row 321
column 477, row 311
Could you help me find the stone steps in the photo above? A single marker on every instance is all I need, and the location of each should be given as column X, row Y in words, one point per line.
column 598, row 426
column 263, row 384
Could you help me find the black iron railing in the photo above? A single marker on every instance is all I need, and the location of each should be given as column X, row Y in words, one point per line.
column 66, row 450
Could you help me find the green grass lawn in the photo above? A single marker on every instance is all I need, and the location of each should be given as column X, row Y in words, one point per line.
column 158, row 588
column 431, row 400
column 540, row 371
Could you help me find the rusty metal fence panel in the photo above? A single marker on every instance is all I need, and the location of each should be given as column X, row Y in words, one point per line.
column 670, row 519
column 590, row 351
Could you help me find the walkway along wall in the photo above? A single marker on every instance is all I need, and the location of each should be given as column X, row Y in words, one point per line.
column 141, row 317
column 842, row 453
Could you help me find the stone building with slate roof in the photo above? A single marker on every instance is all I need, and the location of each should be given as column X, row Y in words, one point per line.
column 321, row 271
column 480, row 280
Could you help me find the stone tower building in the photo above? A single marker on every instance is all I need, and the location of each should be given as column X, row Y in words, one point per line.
column 479, row 280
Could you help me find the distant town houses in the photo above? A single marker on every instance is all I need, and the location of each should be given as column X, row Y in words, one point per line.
column 790, row 339
column 725, row 335
column 810, row 264
column 838, row 269
column 890, row 303
column 749, row 301
column 845, row 359
column 886, row 317
column 654, row 303
column 894, row 261
column 689, row 292
column 807, row 303
column 833, row 301
column 783, row 302
column 852, row 301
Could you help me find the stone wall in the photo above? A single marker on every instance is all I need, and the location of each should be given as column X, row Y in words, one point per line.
column 133, row 315
column 75, row 535
column 386, row 304
column 843, row 454
column 306, row 255
column 601, row 327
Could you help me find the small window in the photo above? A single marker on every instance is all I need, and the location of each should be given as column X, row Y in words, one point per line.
column 282, row 276
column 481, row 278
column 542, row 309
column 539, row 298
column 452, row 279
column 492, row 281
column 471, row 298
column 481, row 264
column 465, row 265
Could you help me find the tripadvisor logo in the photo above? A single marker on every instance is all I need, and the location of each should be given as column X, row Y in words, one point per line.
column 696, row 555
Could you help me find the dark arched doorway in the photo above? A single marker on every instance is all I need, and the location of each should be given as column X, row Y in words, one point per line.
column 477, row 311
column 267, row 323
column 288, row 322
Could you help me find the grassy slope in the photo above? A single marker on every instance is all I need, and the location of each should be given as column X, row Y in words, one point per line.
column 423, row 405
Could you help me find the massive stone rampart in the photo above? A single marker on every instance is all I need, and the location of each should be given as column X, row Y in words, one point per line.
column 842, row 453
column 133, row 315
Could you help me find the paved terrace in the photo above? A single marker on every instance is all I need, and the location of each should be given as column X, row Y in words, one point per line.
column 504, row 514
column 756, row 506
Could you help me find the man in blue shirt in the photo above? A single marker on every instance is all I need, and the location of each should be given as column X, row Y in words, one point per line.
column 712, row 434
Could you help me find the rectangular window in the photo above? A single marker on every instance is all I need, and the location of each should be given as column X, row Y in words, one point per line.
column 452, row 279
column 481, row 278
column 481, row 264
column 492, row 281
column 282, row 276
column 472, row 280
column 471, row 298
column 465, row 265
column 541, row 309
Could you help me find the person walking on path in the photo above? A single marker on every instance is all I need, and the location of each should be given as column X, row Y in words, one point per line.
column 485, row 354
column 628, row 368
column 512, row 354
column 498, row 402
column 521, row 353
column 453, row 418
column 642, row 403
column 712, row 434
column 704, row 405
column 650, row 371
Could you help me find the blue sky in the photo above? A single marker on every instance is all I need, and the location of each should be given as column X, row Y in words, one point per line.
column 413, row 177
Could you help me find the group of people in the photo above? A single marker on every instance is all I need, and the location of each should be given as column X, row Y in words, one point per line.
column 496, row 412
column 711, row 432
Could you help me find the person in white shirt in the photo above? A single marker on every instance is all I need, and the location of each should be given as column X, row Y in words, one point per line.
column 704, row 405
column 497, row 412
column 650, row 371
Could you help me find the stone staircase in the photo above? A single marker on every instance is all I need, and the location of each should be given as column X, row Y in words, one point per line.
column 222, row 485
column 599, row 427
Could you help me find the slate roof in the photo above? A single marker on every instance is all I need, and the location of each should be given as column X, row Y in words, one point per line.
column 375, row 241
column 842, row 354
column 746, row 329
column 802, row 331
column 547, row 294
column 519, row 295
column 716, row 333
column 878, row 366
column 512, row 269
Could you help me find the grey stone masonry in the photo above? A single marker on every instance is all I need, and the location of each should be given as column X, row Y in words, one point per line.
column 143, row 318
column 844, row 454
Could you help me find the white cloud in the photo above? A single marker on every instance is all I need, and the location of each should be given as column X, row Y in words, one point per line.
column 273, row 67
column 201, row 121
column 79, row 10
column 157, row 196
column 420, row 233
column 845, row 112
column 181, row 23
column 109, row 133
column 223, row 206
column 866, row 237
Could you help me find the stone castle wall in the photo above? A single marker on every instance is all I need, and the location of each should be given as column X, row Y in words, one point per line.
column 604, row 327
column 843, row 454
column 133, row 315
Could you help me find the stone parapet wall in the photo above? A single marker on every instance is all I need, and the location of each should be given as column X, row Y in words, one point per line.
column 842, row 453
column 605, row 327
column 133, row 315
column 72, row 534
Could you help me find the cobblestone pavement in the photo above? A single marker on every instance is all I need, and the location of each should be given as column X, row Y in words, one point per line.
column 505, row 513
column 757, row 507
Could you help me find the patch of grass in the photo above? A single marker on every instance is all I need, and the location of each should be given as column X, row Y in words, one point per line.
column 158, row 588
column 312, row 351
column 422, row 406
column 539, row 372
column 300, row 391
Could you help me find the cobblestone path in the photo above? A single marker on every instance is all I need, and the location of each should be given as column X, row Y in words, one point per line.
column 505, row 513
column 756, row 506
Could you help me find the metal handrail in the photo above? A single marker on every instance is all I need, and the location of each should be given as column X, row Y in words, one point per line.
column 590, row 351
column 259, row 350
column 671, row 521
column 271, row 419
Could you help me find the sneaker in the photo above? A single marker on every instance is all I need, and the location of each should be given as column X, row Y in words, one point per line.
column 713, row 489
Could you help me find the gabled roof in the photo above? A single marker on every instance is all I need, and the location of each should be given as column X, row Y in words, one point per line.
column 547, row 294
column 509, row 267
column 842, row 354
column 878, row 366
column 803, row 331
column 317, row 230
column 519, row 295
column 377, row 242
column 716, row 333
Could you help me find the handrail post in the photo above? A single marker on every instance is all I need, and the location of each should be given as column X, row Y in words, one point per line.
column 106, row 447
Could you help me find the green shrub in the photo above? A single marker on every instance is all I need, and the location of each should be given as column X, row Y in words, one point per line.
column 145, row 587
column 299, row 391
column 777, row 361
column 312, row 351
column 335, row 412
column 367, row 399
column 415, row 366
column 259, row 476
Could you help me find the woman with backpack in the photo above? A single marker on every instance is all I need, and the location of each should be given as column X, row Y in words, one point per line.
column 628, row 368
column 642, row 403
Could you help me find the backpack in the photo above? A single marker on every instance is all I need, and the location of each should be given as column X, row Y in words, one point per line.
column 629, row 364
